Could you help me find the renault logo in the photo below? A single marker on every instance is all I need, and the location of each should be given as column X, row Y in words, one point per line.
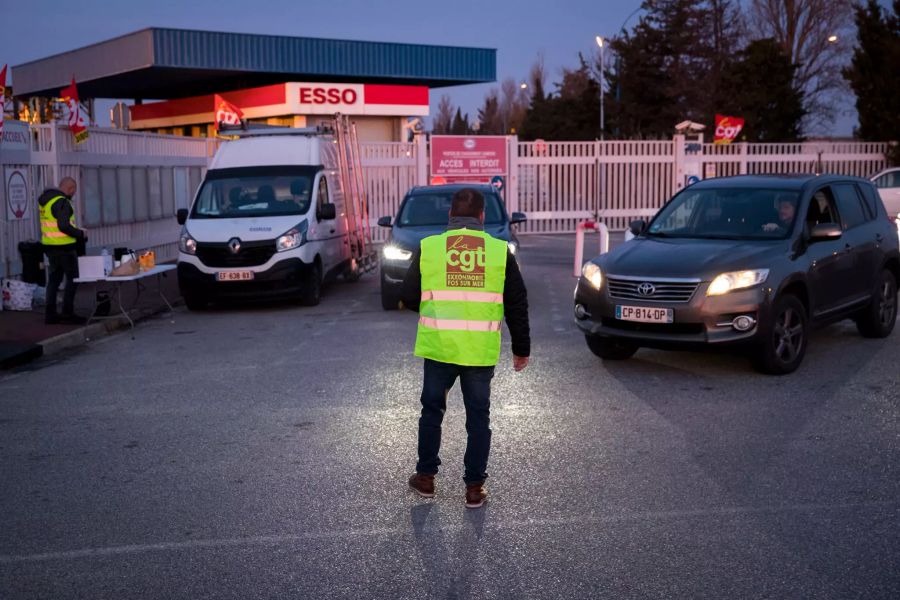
column 234, row 245
column 646, row 289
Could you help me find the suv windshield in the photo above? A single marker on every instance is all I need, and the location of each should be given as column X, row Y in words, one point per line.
column 255, row 192
column 433, row 208
column 742, row 214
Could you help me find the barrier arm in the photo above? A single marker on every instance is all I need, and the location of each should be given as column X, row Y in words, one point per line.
column 600, row 228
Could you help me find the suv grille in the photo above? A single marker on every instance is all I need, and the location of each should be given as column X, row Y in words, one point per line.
column 661, row 291
column 251, row 254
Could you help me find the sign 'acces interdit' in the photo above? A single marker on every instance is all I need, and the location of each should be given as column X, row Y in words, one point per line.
column 465, row 261
column 468, row 157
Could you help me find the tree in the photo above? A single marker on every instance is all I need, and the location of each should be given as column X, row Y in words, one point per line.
column 873, row 74
column 460, row 124
column 803, row 28
column 764, row 93
column 723, row 34
column 489, row 117
column 443, row 120
column 572, row 114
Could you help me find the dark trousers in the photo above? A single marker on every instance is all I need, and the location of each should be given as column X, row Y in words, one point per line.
column 476, row 389
column 63, row 263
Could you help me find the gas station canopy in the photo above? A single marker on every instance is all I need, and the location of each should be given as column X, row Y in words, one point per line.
column 160, row 63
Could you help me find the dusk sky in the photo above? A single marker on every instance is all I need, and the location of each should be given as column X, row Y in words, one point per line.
column 518, row 29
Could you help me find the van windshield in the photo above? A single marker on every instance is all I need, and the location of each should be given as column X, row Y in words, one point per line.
column 433, row 208
column 255, row 192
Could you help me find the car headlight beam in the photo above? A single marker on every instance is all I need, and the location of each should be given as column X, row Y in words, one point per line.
column 292, row 239
column 736, row 280
column 593, row 274
column 392, row 252
column 186, row 243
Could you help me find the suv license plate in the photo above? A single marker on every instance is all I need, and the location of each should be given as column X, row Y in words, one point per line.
column 642, row 314
column 234, row 275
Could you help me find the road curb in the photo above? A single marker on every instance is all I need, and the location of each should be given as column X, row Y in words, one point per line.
column 84, row 335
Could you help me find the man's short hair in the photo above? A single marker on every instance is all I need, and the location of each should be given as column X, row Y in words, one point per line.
column 67, row 181
column 467, row 202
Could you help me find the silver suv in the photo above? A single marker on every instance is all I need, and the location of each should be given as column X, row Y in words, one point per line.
column 750, row 260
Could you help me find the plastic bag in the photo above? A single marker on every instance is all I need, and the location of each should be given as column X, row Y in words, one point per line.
column 17, row 295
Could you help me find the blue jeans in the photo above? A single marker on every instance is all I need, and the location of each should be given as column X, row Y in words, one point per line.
column 476, row 389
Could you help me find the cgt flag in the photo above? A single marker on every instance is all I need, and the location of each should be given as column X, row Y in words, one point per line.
column 226, row 112
column 76, row 119
column 727, row 129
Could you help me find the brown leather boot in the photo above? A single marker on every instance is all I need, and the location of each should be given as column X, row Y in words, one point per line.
column 422, row 484
column 475, row 495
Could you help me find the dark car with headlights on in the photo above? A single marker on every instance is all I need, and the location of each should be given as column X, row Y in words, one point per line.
column 425, row 211
column 748, row 260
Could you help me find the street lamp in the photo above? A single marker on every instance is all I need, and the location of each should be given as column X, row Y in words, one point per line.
column 600, row 42
column 524, row 86
column 832, row 39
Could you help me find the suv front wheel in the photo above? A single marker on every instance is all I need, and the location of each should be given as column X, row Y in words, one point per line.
column 784, row 344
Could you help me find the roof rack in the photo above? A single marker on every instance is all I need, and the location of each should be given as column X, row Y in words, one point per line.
column 246, row 129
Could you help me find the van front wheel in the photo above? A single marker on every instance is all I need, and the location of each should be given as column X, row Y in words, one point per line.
column 312, row 286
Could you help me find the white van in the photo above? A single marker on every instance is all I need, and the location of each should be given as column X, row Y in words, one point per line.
column 268, row 220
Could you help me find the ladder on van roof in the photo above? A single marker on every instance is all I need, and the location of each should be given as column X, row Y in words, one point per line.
column 353, row 185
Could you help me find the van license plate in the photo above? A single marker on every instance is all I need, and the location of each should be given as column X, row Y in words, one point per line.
column 643, row 314
column 234, row 275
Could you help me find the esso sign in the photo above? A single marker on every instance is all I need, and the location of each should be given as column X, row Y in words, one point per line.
column 327, row 95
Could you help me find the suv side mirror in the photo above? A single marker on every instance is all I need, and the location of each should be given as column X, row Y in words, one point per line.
column 384, row 222
column 825, row 231
column 518, row 217
column 327, row 212
column 637, row 227
column 181, row 216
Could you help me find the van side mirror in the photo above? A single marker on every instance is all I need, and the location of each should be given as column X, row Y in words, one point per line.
column 637, row 227
column 518, row 217
column 181, row 216
column 825, row 231
column 327, row 212
column 384, row 222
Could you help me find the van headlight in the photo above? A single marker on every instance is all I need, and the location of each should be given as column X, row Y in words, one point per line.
column 736, row 280
column 186, row 243
column 294, row 238
column 513, row 247
column 593, row 274
column 392, row 252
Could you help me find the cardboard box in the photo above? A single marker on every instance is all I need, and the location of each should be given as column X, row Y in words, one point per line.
column 90, row 267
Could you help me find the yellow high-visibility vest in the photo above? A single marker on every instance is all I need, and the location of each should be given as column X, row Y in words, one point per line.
column 461, row 309
column 50, row 232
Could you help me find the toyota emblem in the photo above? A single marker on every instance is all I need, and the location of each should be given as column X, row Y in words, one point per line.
column 234, row 245
column 646, row 289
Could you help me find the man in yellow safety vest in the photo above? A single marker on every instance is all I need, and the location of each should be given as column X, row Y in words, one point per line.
column 464, row 283
column 60, row 238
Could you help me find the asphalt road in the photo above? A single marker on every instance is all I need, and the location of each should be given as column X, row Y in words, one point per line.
column 262, row 452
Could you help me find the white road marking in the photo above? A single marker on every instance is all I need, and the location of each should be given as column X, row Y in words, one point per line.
column 734, row 511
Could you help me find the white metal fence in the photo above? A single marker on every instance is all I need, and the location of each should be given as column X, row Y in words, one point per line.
column 131, row 184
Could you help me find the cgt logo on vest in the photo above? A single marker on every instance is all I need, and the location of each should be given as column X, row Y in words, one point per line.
column 465, row 261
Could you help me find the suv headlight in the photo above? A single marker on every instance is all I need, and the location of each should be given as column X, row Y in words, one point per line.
column 186, row 243
column 392, row 252
column 736, row 280
column 292, row 239
column 593, row 274
column 513, row 247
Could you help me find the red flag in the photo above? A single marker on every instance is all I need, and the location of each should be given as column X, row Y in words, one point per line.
column 2, row 99
column 226, row 112
column 76, row 119
column 727, row 129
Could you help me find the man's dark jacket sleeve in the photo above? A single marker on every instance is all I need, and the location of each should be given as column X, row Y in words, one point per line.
column 515, row 300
